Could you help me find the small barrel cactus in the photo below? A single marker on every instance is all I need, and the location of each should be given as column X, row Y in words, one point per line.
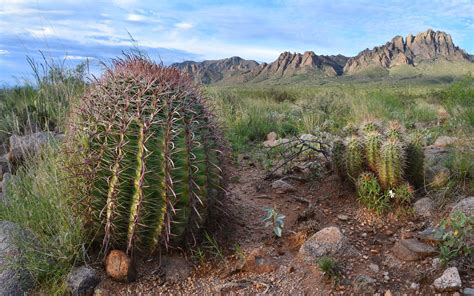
column 415, row 159
column 354, row 157
column 391, row 164
column 394, row 130
column 338, row 153
column 369, row 126
column 373, row 141
column 151, row 156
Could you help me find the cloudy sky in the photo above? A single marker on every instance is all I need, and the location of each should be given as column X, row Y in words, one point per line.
column 175, row 30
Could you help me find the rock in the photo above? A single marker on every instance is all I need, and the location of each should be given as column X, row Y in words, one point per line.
column 465, row 206
column 437, row 176
column 468, row 292
column 364, row 285
column 414, row 286
column 374, row 267
column 424, row 207
column 388, row 293
column 271, row 138
column 4, row 164
column 24, row 146
column 257, row 261
column 436, row 263
column 14, row 278
column 82, row 281
column 120, row 267
column 412, row 250
column 435, row 156
column 282, row 187
column 327, row 241
column 176, row 269
column 343, row 217
column 449, row 281
column 429, row 235
column 444, row 141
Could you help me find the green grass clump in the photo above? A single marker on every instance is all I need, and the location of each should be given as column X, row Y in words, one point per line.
column 404, row 194
column 41, row 199
column 370, row 193
column 330, row 267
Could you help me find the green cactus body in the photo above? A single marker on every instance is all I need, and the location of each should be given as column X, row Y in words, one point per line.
column 415, row 159
column 338, row 158
column 394, row 130
column 391, row 164
column 152, row 155
column 373, row 141
column 370, row 126
column 354, row 157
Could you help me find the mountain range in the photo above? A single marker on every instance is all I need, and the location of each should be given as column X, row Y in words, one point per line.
column 411, row 55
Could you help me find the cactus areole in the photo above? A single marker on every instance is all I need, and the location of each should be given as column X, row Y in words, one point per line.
column 150, row 156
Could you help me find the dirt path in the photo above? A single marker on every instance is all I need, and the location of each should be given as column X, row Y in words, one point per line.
column 257, row 263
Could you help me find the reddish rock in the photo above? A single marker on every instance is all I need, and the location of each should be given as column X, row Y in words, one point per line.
column 120, row 267
column 412, row 250
column 258, row 261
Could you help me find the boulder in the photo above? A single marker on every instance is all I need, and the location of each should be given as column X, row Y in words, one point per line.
column 327, row 241
column 258, row 261
column 271, row 138
column 24, row 146
column 281, row 187
column 412, row 250
column 120, row 267
column 465, row 206
column 435, row 156
column 449, row 281
column 424, row 207
column 14, row 278
column 444, row 141
column 82, row 281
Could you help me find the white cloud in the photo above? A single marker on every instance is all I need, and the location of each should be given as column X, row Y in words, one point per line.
column 72, row 57
column 4, row 52
column 184, row 26
column 135, row 17
column 41, row 32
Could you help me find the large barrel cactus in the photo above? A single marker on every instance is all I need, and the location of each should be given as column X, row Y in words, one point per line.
column 151, row 156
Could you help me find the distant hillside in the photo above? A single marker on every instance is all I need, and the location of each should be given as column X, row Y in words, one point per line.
column 427, row 53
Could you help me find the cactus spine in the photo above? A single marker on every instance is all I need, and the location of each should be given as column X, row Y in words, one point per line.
column 150, row 148
column 354, row 157
column 373, row 141
column 415, row 160
column 338, row 158
column 392, row 160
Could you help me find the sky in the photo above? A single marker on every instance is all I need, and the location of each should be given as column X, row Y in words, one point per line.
column 175, row 31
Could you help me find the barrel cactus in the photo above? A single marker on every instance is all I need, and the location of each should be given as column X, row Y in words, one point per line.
column 354, row 157
column 338, row 158
column 150, row 156
column 391, row 164
column 394, row 130
column 373, row 141
column 415, row 159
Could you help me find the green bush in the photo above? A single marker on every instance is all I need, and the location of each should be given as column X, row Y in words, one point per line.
column 456, row 235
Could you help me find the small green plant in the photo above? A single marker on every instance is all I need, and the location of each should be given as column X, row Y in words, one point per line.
column 212, row 247
column 274, row 219
column 456, row 235
column 370, row 194
column 391, row 165
column 199, row 255
column 354, row 157
column 330, row 268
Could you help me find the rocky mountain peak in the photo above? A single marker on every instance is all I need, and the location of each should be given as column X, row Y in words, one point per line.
column 428, row 45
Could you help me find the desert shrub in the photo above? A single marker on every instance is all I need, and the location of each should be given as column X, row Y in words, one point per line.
column 403, row 194
column 41, row 199
column 370, row 193
column 150, row 156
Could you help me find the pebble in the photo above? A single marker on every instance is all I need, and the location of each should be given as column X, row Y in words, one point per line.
column 374, row 267
column 364, row 234
column 415, row 286
column 343, row 217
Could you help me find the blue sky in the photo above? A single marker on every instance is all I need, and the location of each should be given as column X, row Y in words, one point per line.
column 175, row 30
